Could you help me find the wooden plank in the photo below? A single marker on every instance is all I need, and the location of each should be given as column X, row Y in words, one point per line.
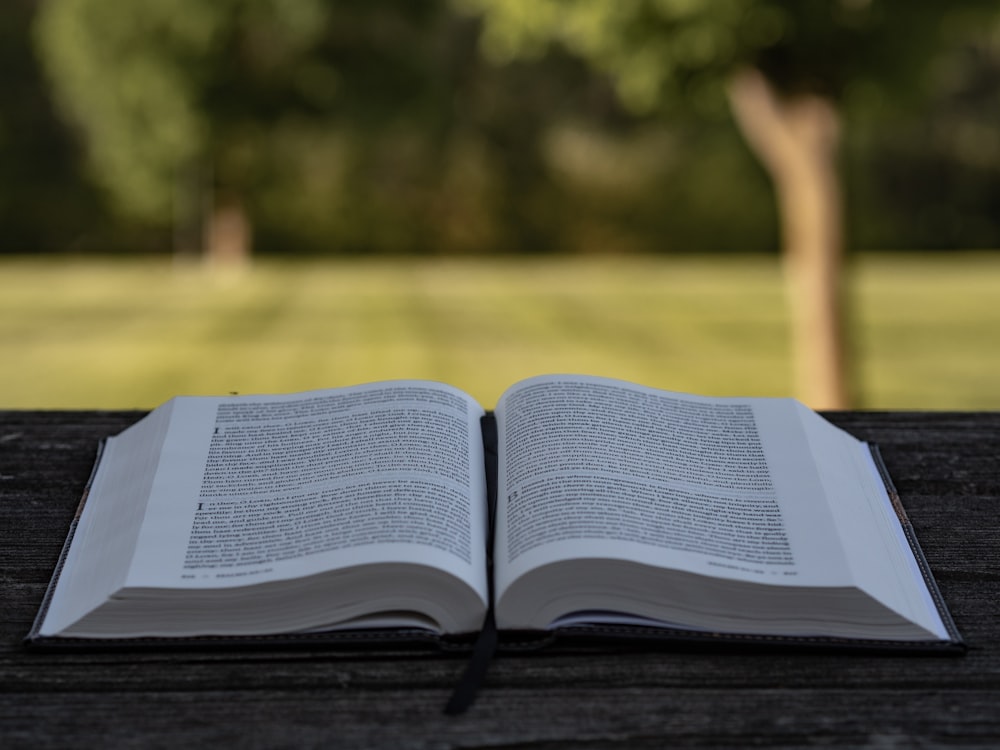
column 410, row 718
column 944, row 464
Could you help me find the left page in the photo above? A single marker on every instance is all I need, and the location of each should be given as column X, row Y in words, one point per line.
column 251, row 491
column 289, row 485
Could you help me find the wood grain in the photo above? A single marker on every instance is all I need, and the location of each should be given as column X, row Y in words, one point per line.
column 945, row 466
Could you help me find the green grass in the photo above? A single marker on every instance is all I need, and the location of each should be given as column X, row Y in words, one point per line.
column 103, row 334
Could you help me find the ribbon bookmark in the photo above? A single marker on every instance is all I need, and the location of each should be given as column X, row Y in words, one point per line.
column 464, row 694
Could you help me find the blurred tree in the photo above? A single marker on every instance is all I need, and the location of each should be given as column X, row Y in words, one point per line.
column 786, row 69
column 187, row 106
column 462, row 170
column 935, row 174
column 36, row 155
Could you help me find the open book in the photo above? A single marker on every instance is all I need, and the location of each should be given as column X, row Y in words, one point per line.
column 618, row 509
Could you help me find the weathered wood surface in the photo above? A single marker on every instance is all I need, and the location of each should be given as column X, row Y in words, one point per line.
column 946, row 467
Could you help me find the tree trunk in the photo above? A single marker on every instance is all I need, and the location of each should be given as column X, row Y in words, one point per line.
column 797, row 139
column 189, row 210
column 228, row 237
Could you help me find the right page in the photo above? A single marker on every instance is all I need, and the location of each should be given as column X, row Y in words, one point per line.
column 869, row 525
column 601, row 482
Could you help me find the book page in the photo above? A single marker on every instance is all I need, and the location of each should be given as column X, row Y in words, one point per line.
column 260, row 488
column 105, row 535
column 877, row 549
column 593, row 468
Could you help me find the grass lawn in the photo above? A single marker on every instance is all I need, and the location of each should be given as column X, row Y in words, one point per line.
column 123, row 334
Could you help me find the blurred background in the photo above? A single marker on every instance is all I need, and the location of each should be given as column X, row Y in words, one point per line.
column 742, row 197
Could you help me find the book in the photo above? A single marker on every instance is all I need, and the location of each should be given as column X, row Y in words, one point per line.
column 578, row 507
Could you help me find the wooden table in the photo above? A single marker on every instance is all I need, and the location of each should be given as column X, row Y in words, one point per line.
column 945, row 465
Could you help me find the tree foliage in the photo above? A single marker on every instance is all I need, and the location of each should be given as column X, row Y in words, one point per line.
column 373, row 126
column 172, row 94
column 682, row 52
column 36, row 155
column 935, row 175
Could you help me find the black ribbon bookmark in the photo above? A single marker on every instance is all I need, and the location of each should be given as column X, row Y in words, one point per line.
column 464, row 694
